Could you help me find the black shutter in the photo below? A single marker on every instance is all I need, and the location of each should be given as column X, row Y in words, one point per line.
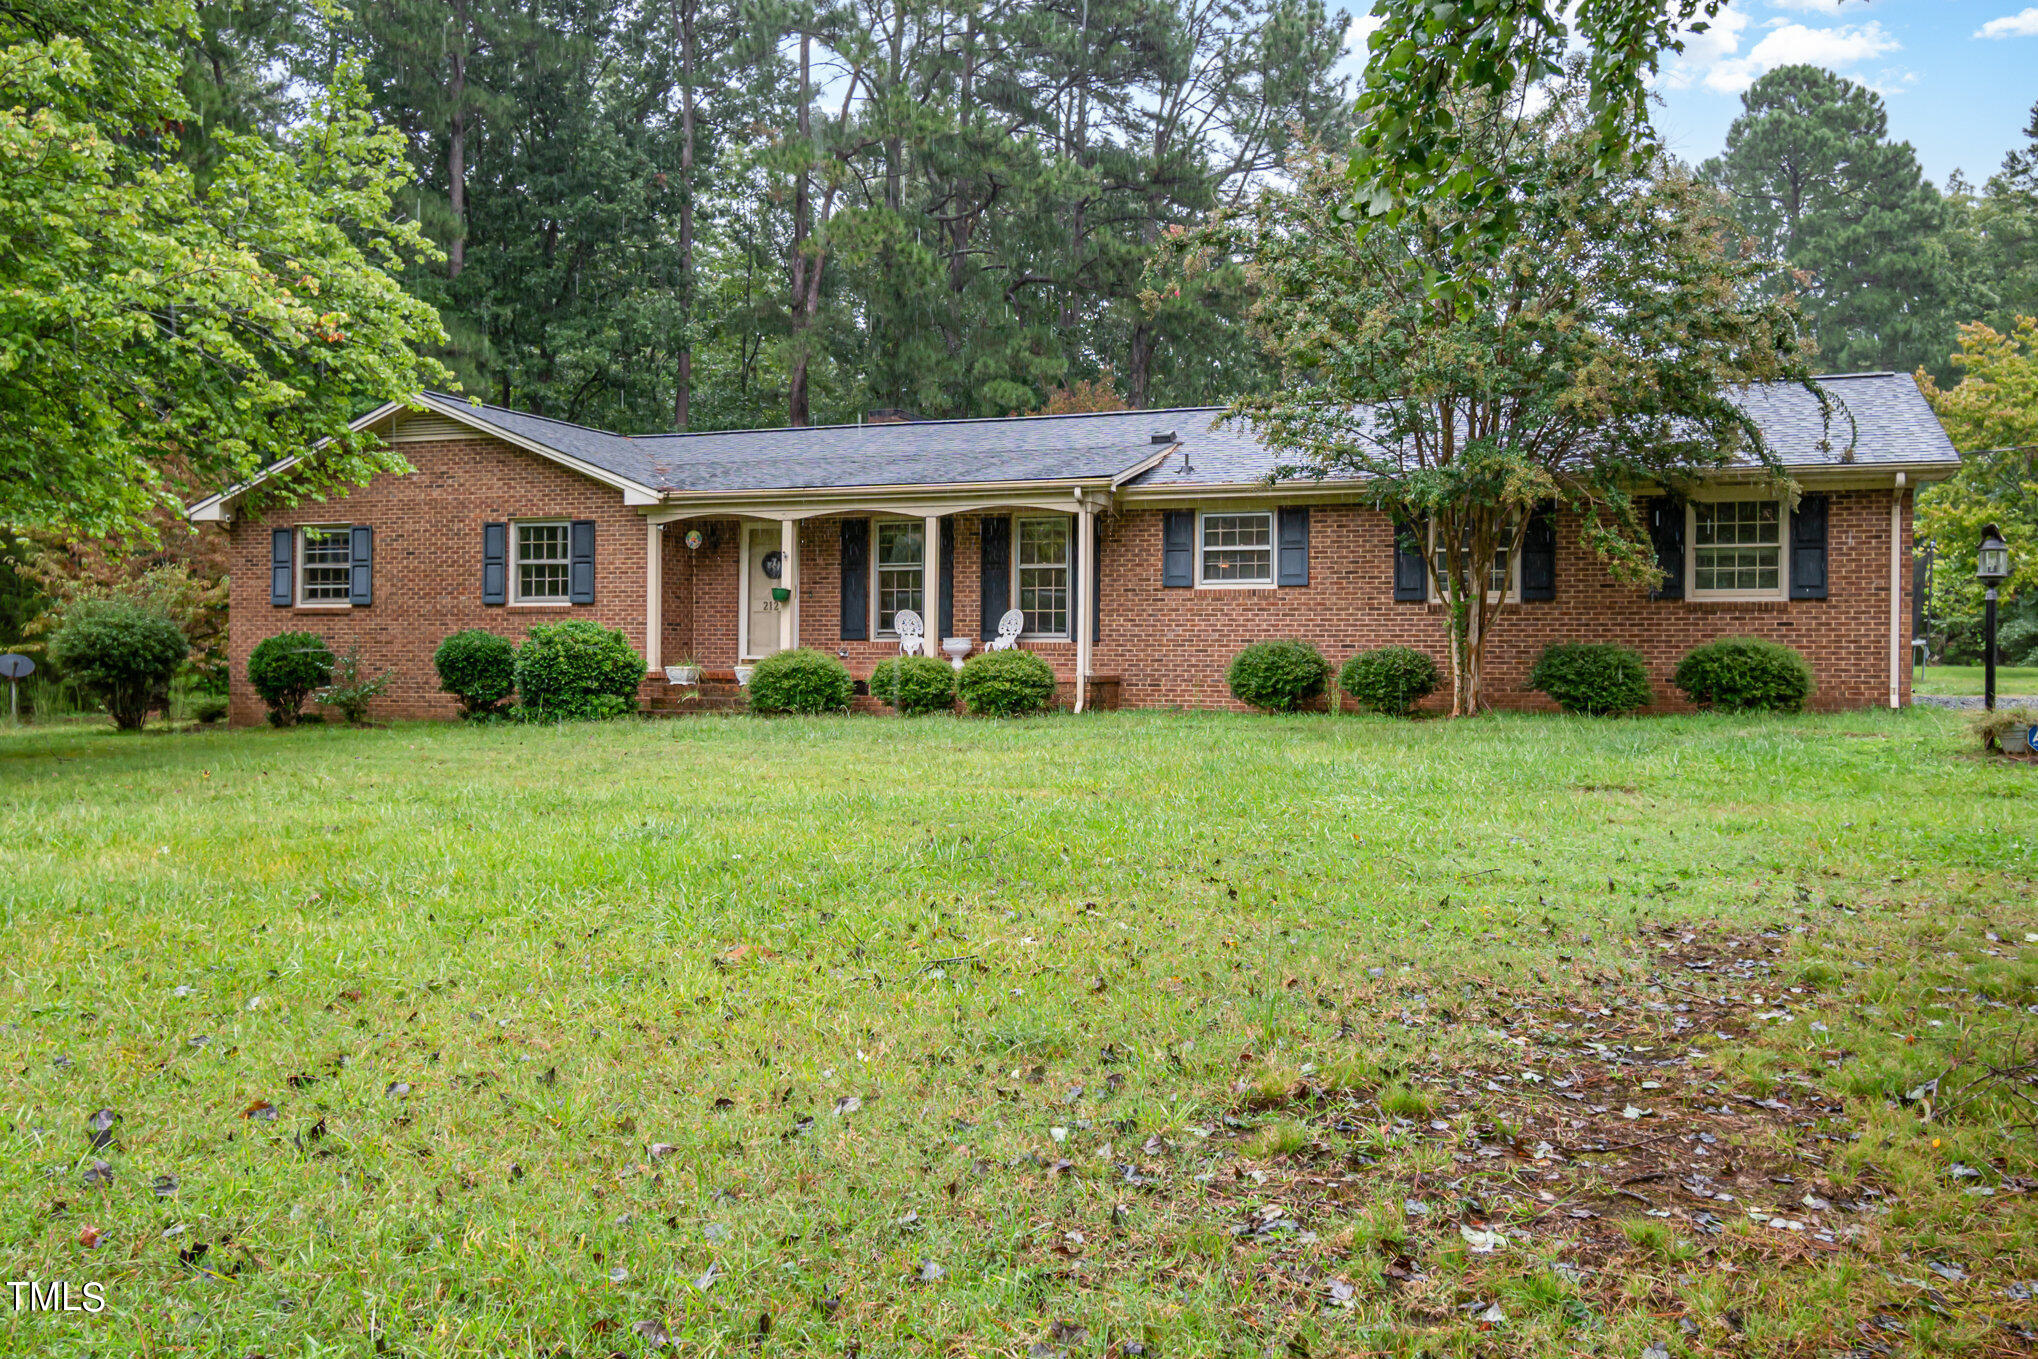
column 994, row 588
column 1411, row 567
column 495, row 563
column 1075, row 578
column 856, row 580
column 947, row 581
column 1178, row 548
column 1666, row 530
column 281, row 564
column 1539, row 555
column 361, row 566
column 580, row 568
column 1293, row 540
column 1097, row 580
column 1808, row 548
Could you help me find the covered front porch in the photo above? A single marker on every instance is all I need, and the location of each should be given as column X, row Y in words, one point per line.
column 731, row 580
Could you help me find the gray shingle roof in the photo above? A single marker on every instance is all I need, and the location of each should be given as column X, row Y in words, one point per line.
column 1893, row 426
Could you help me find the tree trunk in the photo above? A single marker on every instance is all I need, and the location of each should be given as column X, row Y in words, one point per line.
column 682, row 396
column 456, row 147
column 796, row 385
column 1138, row 365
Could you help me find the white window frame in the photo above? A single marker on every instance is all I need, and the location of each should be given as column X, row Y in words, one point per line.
column 303, row 565
column 1273, row 551
column 1513, row 592
column 1068, row 574
column 516, row 564
column 1782, row 588
column 877, row 568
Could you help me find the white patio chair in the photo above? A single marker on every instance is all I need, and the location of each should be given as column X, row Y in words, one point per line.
column 1009, row 628
column 912, row 633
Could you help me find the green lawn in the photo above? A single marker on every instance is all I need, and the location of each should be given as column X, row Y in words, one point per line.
column 1966, row 679
column 1204, row 1034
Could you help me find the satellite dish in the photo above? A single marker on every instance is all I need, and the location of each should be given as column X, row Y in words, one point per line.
column 15, row 666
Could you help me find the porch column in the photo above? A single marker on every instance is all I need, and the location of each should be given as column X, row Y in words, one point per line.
column 1086, row 539
column 931, row 553
column 788, row 618
column 654, row 598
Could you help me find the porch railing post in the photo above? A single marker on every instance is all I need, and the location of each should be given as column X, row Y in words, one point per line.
column 654, row 598
column 789, row 616
column 1087, row 543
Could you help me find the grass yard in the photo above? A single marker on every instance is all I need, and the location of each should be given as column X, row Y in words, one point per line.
column 1966, row 679
column 1133, row 1033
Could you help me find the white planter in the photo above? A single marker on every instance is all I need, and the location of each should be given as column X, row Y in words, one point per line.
column 682, row 674
column 957, row 648
column 744, row 672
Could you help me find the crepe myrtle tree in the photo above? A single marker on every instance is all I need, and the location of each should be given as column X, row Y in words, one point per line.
column 1616, row 323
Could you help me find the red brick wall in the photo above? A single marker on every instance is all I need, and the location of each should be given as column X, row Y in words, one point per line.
column 428, row 566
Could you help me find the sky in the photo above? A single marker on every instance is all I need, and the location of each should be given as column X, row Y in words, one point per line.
column 1958, row 77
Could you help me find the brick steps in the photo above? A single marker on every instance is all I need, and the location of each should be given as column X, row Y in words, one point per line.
column 718, row 692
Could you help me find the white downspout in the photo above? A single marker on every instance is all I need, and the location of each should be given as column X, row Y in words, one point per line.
column 1896, row 593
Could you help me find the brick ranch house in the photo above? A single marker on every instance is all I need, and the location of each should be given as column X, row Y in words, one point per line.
column 1145, row 548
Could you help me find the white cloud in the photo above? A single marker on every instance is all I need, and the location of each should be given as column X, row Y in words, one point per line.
column 1702, row 51
column 1829, row 8
column 1794, row 44
column 2023, row 24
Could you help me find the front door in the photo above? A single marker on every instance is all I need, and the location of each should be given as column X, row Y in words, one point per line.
column 764, row 568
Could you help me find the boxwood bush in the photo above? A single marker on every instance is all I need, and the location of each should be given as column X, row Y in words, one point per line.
column 1277, row 676
column 1391, row 679
column 122, row 653
column 801, row 681
column 286, row 667
column 1006, row 683
column 478, row 668
column 577, row 670
column 1598, row 678
column 914, row 684
column 1745, row 674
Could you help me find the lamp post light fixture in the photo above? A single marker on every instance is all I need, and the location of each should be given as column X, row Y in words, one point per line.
column 1991, row 568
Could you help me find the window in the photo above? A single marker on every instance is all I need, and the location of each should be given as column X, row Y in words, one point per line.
column 1043, row 575
column 1237, row 549
column 1501, row 582
column 543, row 568
column 1736, row 547
column 901, row 570
column 324, row 558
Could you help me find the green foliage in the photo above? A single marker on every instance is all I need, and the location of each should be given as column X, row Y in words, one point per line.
column 1816, row 181
column 577, row 670
column 1737, row 674
column 1010, row 683
column 211, row 323
column 1277, row 676
column 122, row 652
column 351, row 691
column 1599, row 678
column 285, row 668
column 1996, row 729
column 479, row 668
column 207, row 709
column 914, row 684
column 1390, row 679
column 801, row 681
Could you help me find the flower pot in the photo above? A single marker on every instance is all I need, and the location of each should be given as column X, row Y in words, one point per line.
column 682, row 674
column 781, row 593
column 744, row 672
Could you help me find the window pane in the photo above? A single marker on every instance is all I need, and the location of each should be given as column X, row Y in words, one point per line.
column 1238, row 547
column 901, row 558
column 542, row 568
column 1737, row 545
column 1044, row 575
column 1498, row 579
column 325, row 565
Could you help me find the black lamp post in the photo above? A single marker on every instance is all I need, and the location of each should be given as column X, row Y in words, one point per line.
column 1991, row 568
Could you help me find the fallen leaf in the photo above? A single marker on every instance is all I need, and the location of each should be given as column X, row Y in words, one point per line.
column 88, row 1237
column 930, row 1271
column 1482, row 1242
column 99, row 1128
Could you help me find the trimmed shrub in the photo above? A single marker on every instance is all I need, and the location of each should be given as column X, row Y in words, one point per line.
column 914, row 684
column 122, row 653
column 209, row 708
column 1745, row 674
column 351, row 690
column 577, row 670
column 801, row 681
column 1277, row 677
column 1598, row 678
column 1391, row 679
column 286, row 667
column 1005, row 683
column 478, row 668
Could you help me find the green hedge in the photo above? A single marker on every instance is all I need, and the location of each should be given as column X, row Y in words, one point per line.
column 1006, row 683
column 285, row 668
column 577, row 670
column 123, row 653
column 801, row 681
column 914, row 684
column 1277, row 676
column 478, row 668
column 1745, row 674
column 1598, row 678
column 1391, row 680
